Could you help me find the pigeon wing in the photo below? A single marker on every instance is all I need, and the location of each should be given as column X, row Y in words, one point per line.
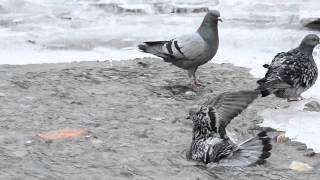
column 227, row 106
column 188, row 47
column 290, row 68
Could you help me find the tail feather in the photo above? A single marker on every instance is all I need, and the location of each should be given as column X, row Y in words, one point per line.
column 267, row 87
column 250, row 152
column 154, row 47
column 259, row 145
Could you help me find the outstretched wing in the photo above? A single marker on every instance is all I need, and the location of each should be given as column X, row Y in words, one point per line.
column 227, row 106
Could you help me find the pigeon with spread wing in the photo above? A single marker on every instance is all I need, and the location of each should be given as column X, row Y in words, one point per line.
column 210, row 143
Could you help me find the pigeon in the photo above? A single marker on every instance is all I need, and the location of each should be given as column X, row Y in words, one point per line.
column 191, row 50
column 214, row 149
column 291, row 73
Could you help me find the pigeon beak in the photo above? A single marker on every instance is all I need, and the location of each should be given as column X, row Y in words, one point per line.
column 219, row 19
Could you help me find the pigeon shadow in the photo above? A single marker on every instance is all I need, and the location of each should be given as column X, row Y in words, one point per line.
column 178, row 89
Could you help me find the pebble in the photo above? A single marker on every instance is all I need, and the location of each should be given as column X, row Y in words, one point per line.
column 28, row 143
column 281, row 138
column 157, row 118
column 190, row 94
column 2, row 94
column 309, row 153
column 312, row 106
column 96, row 141
column 300, row 166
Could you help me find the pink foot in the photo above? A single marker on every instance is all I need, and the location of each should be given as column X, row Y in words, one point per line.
column 196, row 82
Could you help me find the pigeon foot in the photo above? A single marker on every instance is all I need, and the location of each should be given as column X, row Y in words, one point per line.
column 195, row 84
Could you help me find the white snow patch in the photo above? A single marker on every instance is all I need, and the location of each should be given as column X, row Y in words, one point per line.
column 299, row 125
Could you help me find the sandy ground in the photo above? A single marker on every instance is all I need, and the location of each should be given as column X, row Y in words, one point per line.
column 135, row 114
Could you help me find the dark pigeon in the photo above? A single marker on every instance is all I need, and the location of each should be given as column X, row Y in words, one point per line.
column 291, row 73
column 210, row 144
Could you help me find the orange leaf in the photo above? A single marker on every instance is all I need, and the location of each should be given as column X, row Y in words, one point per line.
column 63, row 133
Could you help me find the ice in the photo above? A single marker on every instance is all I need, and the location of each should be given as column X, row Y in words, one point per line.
column 299, row 125
column 253, row 31
column 310, row 10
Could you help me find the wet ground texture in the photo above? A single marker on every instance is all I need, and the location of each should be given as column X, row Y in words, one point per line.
column 135, row 113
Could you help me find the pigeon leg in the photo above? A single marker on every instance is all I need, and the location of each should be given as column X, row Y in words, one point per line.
column 195, row 83
column 192, row 74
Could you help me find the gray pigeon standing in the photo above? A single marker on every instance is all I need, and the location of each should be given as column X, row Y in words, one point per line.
column 189, row 51
column 209, row 141
column 291, row 73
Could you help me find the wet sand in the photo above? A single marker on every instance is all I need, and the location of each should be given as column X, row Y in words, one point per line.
column 136, row 117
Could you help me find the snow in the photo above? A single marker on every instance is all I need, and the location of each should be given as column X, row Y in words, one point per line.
column 299, row 125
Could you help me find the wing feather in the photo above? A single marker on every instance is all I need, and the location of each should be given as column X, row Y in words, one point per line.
column 191, row 46
column 228, row 105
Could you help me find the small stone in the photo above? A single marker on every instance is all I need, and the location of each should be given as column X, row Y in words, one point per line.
column 300, row 166
column 190, row 94
column 2, row 94
column 96, row 141
column 157, row 118
column 312, row 106
column 29, row 142
column 309, row 153
column 281, row 138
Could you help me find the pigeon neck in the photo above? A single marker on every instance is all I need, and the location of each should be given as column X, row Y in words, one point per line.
column 209, row 31
column 306, row 49
column 200, row 133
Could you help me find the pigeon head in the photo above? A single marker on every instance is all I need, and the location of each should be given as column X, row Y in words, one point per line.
column 208, row 29
column 308, row 43
column 193, row 114
column 311, row 40
column 212, row 16
column 199, row 117
column 202, row 125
